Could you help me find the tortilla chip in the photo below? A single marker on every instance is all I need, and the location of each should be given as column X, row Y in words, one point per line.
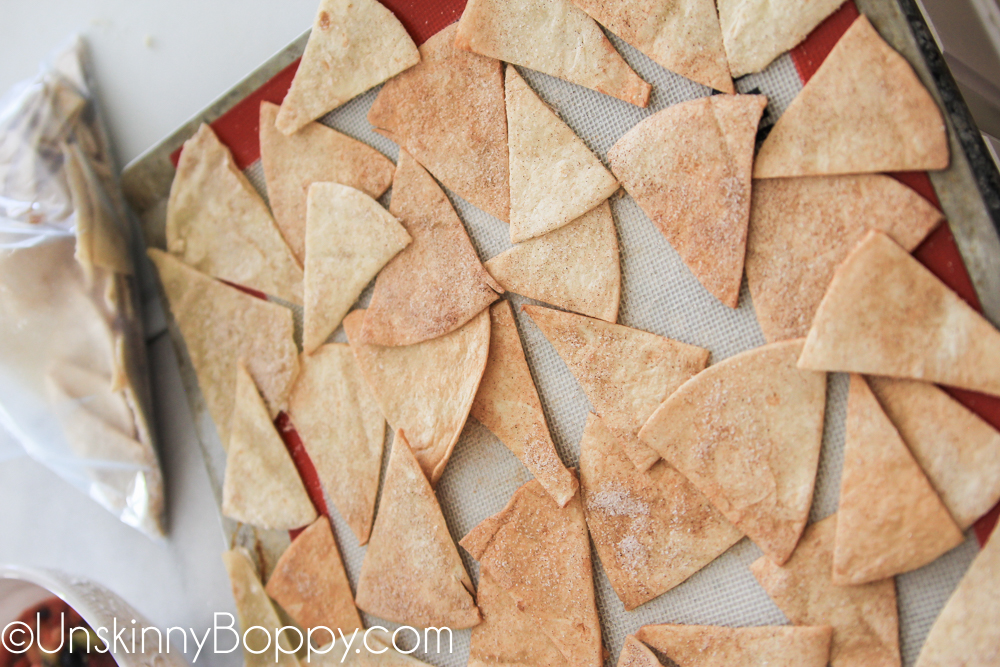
column 626, row 373
column 912, row 326
column 863, row 111
column 314, row 154
column 958, row 451
column 533, row 540
column 551, row 36
column 426, row 389
column 412, row 573
column 354, row 45
column 91, row 390
column 801, row 229
column 653, row 530
column 507, row 404
column 448, row 112
column 100, row 239
column 864, row 618
column 342, row 430
column 713, row 646
column 220, row 325
column 349, row 238
column 636, row 654
column 436, row 284
column 371, row 648
column 217, row 223
column 576, row 267
column 891, row 519
column 688, row 167
column 554, row 178
column 747, row 432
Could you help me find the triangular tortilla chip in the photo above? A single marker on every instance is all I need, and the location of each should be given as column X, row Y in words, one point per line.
column 342, row 429
column 436, row 284
column 863, row 111
column 864, row 618
column 309, row 582
column 626, row 373
column 912, row 326
column 957, row 450
column 354, row 45
column 747, row 432
column 685, row 36
column 636, row 654
column 507, row 404
column 576, row 267
column 448, row 112
column 688, row 168
column 713, row 646
column 756, row 32
column 217, row 223
column 426, row 389
column 891, row 520
column 370, row 648
column 254, row 608
column 532, row 541
column 220, row 325
column 801, row 229
column 551, row 36
column 262, row 487
column 652, row 530
column 412, row 573
column 314, row 154
column 349, row 238
column 92, row 391
column 100, row 239
column 554, row 178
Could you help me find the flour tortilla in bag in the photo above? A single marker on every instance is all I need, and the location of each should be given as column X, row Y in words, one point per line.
column 711, row 646
column 636, row 654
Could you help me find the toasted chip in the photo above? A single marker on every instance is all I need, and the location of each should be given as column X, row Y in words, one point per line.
column 747, row 432
column 309, row 582
column 220, row 325
column 217, row 223
column 314, row 154
column 507, row 404
column 801, row 229
column 636, row 654
column 376, row 649
column 890, row 518
column 864, row 618
column 912, row 326
column 448, row 112
column 349, row 238
column 652, row 530
column 626, row 373
column 100, row 239
column 554, row 178
column 958, row 451
column 412, row 573
column 532, row 541
column 863, row 111
column 688, row 167
column 342, row 430
column 713, row 646
column 426, row 389
column 92, row 390
column 354, row 45
column 551, row 36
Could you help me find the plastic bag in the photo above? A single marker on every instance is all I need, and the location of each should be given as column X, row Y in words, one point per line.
column 74, row 384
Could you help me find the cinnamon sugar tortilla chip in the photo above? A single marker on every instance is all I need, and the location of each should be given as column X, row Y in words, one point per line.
column 652, row 530
column 626, row 373
column 448, row 113
column 551, row 36
column 635, row 654
column 354, row 45
column 747, row 432
column 576, row 267
column 911, row 326
column 713, row 646
column 342, row 430
column 863, row 111
column 100, row 239
column 426, row 389
column 688, row 167
column 436, row 284
column 507, row 404
column 217, row 223
column 801, row 229
column 314, row 154
column 412, row 573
